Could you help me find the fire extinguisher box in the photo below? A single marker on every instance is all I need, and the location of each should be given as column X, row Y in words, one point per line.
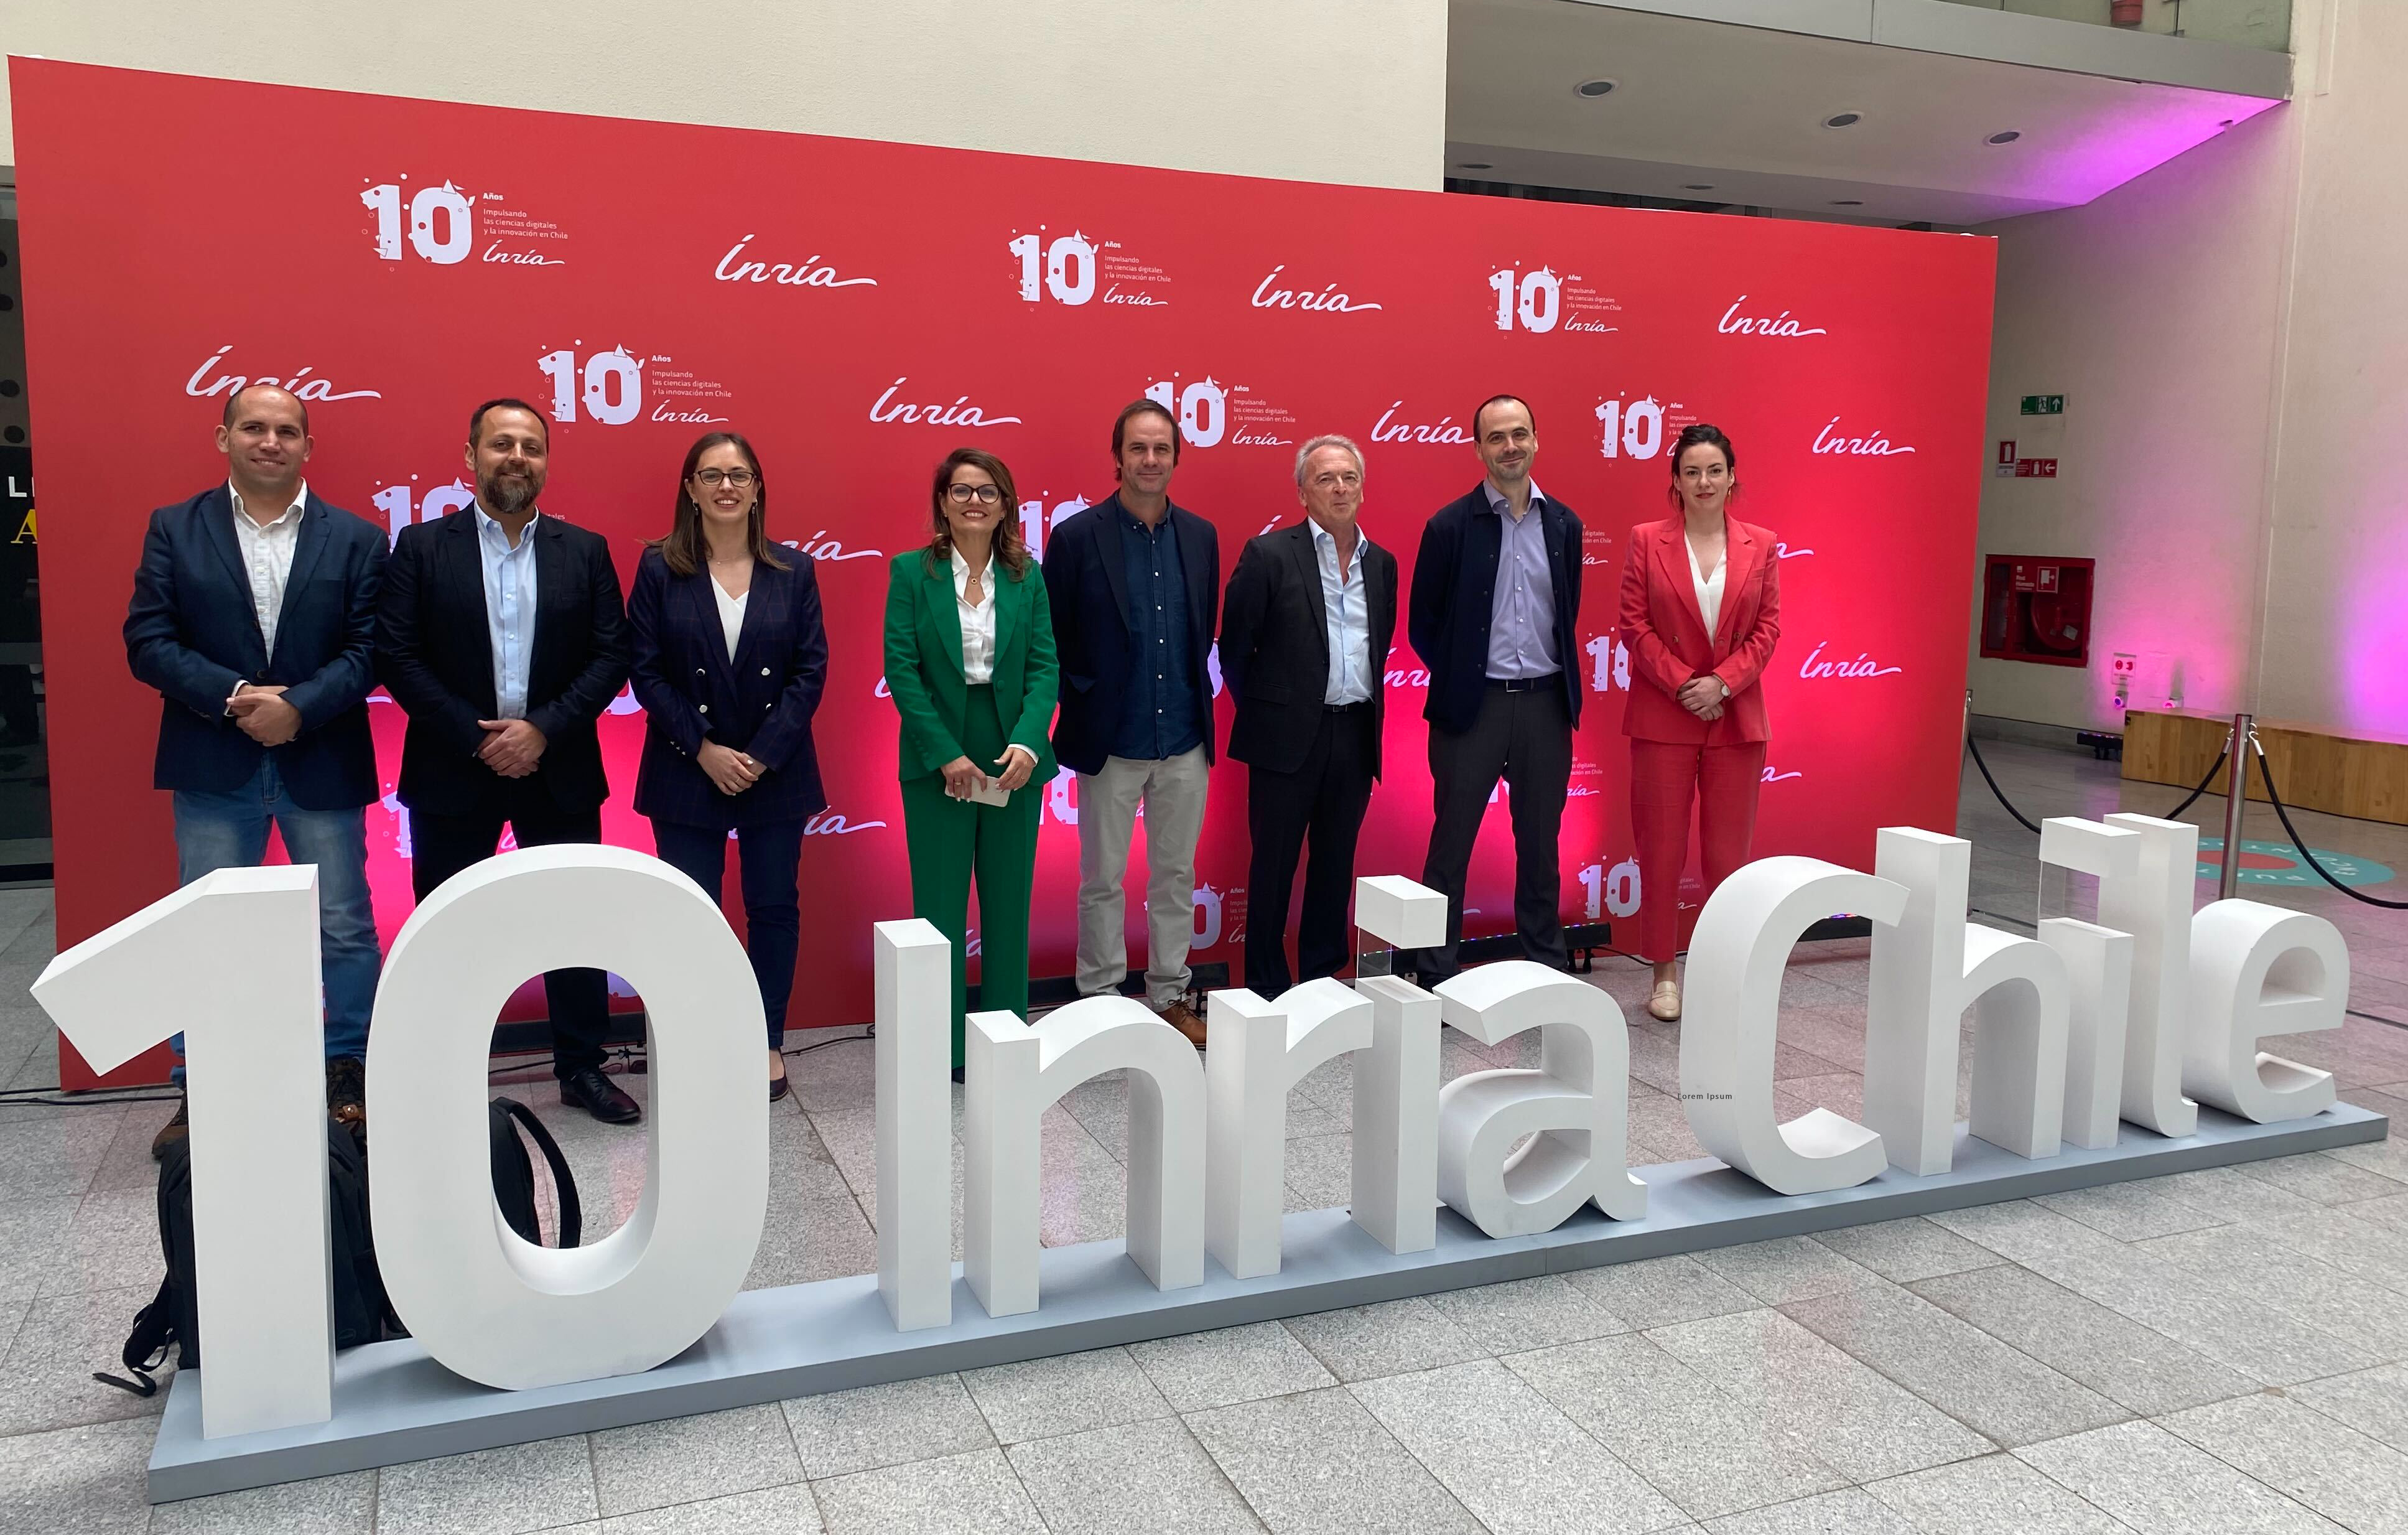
column 2037, row 608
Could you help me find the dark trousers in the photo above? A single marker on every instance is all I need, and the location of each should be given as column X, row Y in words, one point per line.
column 1323, row 800
column 1525, row 738
column 441, row 846
column 767, row 856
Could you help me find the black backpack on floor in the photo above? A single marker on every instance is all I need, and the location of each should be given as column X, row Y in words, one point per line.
column 362, row 1313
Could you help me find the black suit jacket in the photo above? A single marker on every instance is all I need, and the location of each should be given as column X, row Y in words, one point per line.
column 761, row 703
column 434, row 656
column 1454, row 583
column 1087, row 586
column 1275, row 646
column 192, row 633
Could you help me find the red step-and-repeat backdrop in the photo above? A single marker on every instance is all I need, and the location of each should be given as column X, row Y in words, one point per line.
column 858, row 308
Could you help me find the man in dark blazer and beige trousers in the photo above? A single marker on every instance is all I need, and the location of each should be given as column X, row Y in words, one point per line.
column 501, row 633
column 1304, row 640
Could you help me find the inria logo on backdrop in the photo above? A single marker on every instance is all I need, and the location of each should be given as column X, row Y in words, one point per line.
column 2082, row 1026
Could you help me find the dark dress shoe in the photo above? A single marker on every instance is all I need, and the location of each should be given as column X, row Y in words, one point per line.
column 957, row 1076
column 588, row 1089
column 777, row 1088
column 347, row 1090
column 174, row 1130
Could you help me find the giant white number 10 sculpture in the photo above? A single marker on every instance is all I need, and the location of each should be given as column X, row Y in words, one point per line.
column 2085, row 1025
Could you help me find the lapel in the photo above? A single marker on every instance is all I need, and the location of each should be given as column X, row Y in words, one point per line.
column 551, row 585
column 217, row 524
column 765, row 591
column 1484, row 549
column 461, row 561
column 946, row 616
column 1381, row 595
column 1011, row 596
column 1191, row 531
column 1305, row 554
column 1113, row 554
column 702, row 614
column 307, row 545
column 1673, row 555
column 1742, row 554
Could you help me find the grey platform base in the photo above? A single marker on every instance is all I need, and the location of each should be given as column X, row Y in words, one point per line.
column 393, row 1403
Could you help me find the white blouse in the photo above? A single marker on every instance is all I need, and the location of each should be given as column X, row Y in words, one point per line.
column 731, row 614
column 978, row 622
column 1710, row 588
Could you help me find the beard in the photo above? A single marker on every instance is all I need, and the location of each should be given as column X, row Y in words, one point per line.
column 505, row 495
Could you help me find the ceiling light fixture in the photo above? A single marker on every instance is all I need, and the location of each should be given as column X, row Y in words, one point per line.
column 1843, row 120
column 1697, row 186
column 1594, row 89
column 1847, row 202
column 1473, row 165
column 2007, row 137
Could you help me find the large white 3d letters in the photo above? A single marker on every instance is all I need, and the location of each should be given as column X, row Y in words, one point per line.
column 1258, row 1052
column 1013, row 1071
column 915, row 1124
column 1927, row 969
column 231, row 959
column 2154, row 905
column 1731, row 1009
column 484, row 1301
column 2098, row 968
column 1575, row 1107
column 2256, row 970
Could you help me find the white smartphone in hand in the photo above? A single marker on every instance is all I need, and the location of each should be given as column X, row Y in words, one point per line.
column 993, row 794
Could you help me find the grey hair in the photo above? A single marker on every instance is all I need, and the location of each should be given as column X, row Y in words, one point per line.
column 1327, row 439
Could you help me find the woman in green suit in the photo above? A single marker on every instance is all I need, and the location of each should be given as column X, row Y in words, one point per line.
column 969, row 659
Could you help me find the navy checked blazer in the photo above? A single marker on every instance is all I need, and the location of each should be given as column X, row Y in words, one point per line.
column 760, row 704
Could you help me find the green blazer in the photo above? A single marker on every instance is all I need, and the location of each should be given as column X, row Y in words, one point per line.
column 924, row 664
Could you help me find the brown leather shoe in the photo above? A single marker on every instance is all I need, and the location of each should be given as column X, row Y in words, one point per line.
column 1181, row 1017
column 174, row 1130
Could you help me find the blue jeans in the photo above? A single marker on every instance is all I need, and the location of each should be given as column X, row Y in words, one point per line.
column 770, row 855
column 216, row 831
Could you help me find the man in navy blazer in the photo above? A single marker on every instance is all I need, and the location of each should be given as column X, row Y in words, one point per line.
column 501, row 631
column 1135, row 586
column 253, row 613
column 1495, row 618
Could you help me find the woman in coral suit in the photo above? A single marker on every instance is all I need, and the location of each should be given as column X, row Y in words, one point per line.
column 1700, row 613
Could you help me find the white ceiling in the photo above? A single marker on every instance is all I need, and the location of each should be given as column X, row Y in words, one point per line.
column 1741, row 110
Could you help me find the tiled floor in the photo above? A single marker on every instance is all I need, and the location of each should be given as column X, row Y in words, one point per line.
column 2214, row 1350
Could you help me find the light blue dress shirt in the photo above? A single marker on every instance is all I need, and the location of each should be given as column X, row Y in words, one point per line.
column 1522, row 608
column 1346, row 607
column 509, row 609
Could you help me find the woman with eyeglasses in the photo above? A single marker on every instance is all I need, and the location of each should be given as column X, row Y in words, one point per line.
column 970, row 661
column 730, row 659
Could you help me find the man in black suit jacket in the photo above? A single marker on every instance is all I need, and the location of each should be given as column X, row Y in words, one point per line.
column 501, row 633
column 1495, row 618
column 1304, row 638
column 1134, row 582
column 253, row 614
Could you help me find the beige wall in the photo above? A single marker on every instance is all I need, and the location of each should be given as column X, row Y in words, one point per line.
column 2231, row 333
column 1347, row 91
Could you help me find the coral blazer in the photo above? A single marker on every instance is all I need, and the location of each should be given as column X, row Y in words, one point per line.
column 1666, row 631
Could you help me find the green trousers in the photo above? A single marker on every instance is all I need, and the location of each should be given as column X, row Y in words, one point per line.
column 952, row 840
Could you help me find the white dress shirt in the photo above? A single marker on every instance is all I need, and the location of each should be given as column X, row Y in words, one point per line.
column 1710, row 588
column 509, row 609
column 731, row 614
column 1346, row 609
column 978, row 621
column 267, row 556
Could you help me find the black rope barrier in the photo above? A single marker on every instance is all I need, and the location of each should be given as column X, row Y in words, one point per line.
column 2292, row 832
column 2213, row 768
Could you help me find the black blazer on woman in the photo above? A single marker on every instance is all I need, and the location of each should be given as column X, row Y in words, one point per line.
column 760, row 704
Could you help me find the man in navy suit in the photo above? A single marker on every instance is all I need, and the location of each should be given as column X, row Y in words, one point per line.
column 501, row 632
column 1135, row 586
column 1494, row 616
column 254, row 615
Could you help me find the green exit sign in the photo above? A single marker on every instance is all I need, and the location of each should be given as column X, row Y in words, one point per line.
column 2043, row 405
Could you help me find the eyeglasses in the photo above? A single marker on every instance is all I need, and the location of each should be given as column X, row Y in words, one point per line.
column 962, row 495
column 737, row 478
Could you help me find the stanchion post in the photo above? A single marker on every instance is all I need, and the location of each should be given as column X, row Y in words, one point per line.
column 2236, row 798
